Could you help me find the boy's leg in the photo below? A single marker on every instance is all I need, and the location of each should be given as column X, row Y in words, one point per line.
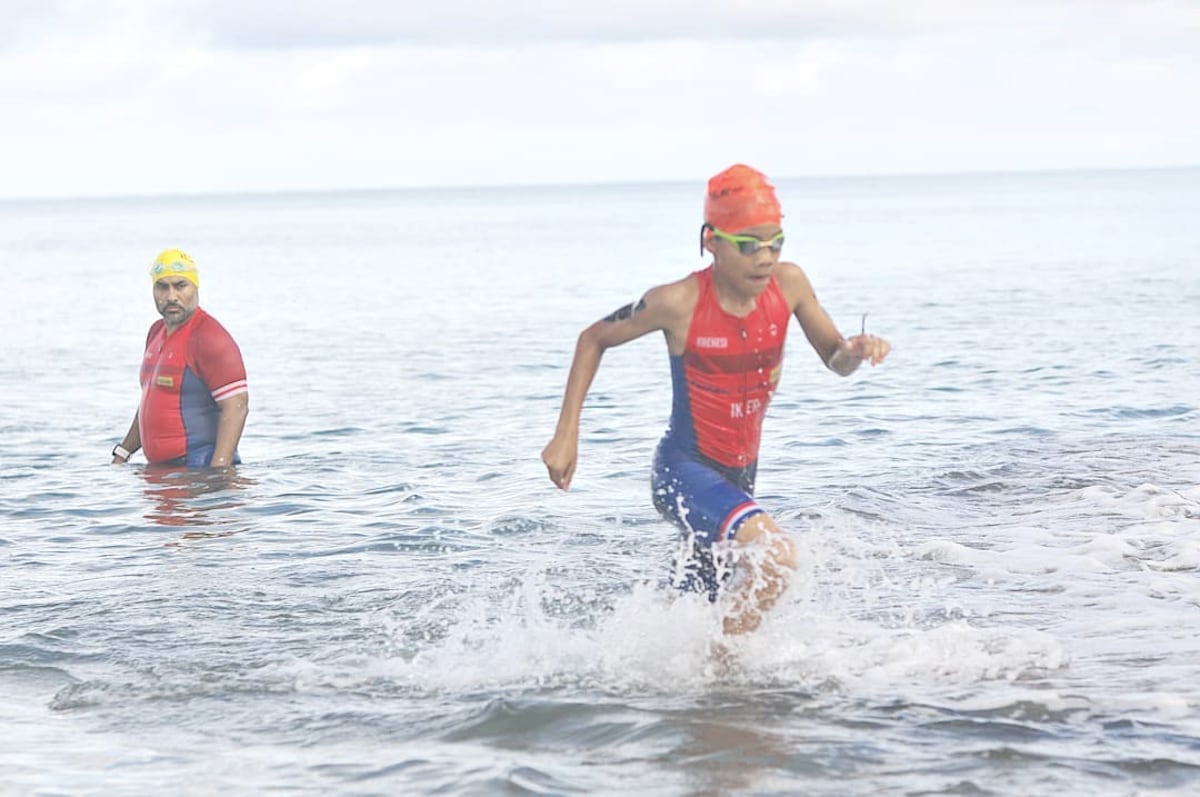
column 710, row 508
column 767, row 558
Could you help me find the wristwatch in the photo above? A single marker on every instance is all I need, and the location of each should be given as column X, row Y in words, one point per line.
column 121, row 451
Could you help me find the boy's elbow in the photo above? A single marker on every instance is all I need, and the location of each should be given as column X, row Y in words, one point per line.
column 592, row 338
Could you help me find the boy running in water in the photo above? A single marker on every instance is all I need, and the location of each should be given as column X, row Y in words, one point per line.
column 725, row 327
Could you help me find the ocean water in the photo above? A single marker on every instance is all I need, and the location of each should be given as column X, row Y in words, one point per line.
column 1000, row 526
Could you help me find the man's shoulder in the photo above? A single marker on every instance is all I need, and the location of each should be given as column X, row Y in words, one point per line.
column 156, row 328
column 209, row 339
column 207, row 325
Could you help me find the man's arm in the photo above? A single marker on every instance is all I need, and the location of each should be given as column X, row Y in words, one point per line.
column 229, row 428
column 218, row 362
column 131, row 442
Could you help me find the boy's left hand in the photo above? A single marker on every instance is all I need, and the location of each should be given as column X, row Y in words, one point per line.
column 870, row 348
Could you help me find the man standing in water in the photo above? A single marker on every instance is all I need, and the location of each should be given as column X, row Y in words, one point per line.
column 194, row 396
column 724, row 327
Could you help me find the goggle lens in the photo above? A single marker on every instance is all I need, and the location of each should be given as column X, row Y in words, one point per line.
column 176, row 267
column 748, row 244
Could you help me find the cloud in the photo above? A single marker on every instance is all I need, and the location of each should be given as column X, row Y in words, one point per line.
column 277, row 24
column 302, row 24
column 139, row 97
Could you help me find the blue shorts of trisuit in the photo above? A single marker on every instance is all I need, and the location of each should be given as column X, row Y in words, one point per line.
column 708, row 502
column 200, row 457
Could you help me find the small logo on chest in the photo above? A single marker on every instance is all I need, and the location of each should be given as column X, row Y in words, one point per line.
column 164, row 381
column 712, row 343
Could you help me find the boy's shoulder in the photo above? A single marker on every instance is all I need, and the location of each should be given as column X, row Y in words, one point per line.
column 793, row 282
column 679, row 296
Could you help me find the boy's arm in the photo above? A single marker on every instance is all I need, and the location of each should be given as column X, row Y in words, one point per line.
column 841, row 355
column 657, row 310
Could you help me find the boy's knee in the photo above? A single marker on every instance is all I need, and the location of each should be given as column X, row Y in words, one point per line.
column 781, row 548
column 784, row 550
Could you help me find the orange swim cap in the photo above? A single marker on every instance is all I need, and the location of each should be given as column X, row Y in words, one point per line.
column 741, row 197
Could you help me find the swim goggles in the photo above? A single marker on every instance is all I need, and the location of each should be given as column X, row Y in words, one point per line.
column 178, row 267
column 746, row 244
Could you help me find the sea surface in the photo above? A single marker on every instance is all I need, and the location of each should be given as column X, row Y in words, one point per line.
column 999, row 526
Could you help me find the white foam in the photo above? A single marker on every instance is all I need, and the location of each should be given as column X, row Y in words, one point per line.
column 663, row 642
column 875, row 612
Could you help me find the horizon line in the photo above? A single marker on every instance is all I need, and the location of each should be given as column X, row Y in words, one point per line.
column 449, row 187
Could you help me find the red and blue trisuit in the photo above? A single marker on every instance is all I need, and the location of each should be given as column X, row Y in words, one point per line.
column 705, row 465
column 184, row 374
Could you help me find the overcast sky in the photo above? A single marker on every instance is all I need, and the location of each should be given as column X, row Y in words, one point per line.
column 118, row 97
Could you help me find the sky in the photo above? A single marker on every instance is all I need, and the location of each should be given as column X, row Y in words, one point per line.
column 148, row 97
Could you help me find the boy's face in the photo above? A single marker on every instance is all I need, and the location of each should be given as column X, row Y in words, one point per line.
column 746, row 258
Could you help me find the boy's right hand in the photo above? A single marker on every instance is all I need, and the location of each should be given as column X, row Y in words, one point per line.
column 560, row 455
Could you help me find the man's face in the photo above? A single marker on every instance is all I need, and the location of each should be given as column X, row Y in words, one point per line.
column 176, row 299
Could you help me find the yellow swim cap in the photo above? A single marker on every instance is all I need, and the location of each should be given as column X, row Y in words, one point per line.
column 174, row 263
